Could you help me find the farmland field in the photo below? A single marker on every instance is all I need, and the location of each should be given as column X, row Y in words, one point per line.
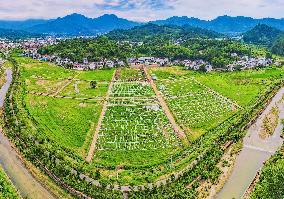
column 124, row 126
column 134, row 122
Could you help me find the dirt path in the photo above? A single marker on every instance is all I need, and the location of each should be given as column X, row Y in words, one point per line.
column 94, row 142
column 69, row 81
column 180, row 133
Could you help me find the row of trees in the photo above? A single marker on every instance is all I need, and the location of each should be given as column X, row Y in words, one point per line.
column 7, row 190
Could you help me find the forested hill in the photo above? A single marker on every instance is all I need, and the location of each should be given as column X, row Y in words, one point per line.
column 262, row 35
column 16, row 34
column 142, row 33
column 278, row 46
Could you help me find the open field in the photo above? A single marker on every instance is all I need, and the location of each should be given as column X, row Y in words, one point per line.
column 136, row 143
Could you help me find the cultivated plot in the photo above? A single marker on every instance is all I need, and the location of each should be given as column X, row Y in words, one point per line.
column 134, row 120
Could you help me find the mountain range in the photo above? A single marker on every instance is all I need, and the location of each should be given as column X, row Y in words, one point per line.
column 77, row 24
column 224, row 24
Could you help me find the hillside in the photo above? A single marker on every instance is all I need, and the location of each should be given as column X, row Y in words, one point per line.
column 16, row 34
column 76, row 24
column 147, row 31
column 21, row 25
column 278, row 46
column 262, row 35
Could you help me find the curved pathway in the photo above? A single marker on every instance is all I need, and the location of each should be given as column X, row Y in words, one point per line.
column 26, row 184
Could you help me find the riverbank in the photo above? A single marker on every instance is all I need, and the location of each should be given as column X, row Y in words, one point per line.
column 22, row 179
column 257, row 149
column 7, row 189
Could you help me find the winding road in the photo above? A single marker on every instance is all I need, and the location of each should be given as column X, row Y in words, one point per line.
column 22, row 179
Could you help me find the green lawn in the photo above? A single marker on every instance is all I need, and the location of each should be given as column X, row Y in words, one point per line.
column 244, row 86
column 64, row 120
column 43, row 70
column 98, row 75
column 69, row 122
column 82, row 89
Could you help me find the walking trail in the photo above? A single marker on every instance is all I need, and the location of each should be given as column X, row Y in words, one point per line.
column 180, row 133
column 95, row 138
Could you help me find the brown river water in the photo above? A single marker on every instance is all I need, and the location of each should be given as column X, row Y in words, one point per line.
column 255, row 152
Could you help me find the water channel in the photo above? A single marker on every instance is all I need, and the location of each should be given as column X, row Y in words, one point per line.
column 22, row 179
column 255, row 152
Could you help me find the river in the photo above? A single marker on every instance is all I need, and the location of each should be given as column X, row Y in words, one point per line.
column 26, row 184
column 255, row 152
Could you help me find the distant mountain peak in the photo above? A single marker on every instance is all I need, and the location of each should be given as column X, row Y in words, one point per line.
column 78, row 24
column 109, row 16
column 75, row 16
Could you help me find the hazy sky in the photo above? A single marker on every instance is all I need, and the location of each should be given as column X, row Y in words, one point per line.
column 141, row 10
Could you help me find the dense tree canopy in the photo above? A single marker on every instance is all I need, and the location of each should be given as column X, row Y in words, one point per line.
column 216, row 51
column 262, row 35
column 278, row 46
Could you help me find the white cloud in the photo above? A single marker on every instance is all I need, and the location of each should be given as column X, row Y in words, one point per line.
column 141, row 10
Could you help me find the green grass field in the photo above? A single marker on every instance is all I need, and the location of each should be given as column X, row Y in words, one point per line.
column 198, row 109
column 64, row 120
column 70, row 122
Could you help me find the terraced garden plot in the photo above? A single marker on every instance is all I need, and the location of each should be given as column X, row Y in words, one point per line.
column 196, row 108
column 132, row 101
column 136, row 89
column 135, row 123
column 135, row 134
